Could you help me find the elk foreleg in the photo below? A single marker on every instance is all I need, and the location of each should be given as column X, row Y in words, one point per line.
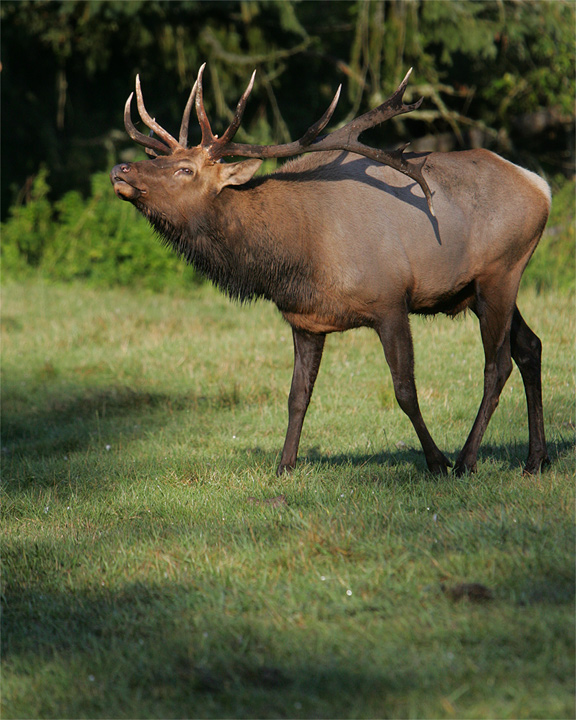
column 307, row 355
column 396, row 340
column 526, row 351
column 495, row 320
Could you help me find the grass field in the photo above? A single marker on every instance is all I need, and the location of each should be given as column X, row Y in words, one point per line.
column 144, row 576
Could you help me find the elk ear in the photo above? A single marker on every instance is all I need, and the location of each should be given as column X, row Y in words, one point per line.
column 237, row 173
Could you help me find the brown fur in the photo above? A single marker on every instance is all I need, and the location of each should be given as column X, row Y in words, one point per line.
column 338, row 241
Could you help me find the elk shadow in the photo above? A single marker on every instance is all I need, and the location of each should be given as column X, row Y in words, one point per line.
column 386, row 459
column 510, row 455
column 86, row 417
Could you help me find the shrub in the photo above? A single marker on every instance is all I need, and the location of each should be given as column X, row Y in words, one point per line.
column 99, row 239
column 24, row 235
column 553, row 263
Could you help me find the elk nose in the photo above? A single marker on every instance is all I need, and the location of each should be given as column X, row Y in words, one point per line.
column 118, row 173
column 119, row 170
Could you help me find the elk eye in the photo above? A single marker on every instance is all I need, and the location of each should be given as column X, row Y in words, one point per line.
column 185, row 171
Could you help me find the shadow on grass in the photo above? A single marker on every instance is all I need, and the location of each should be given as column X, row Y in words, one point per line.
column 68, row 423
column 163, row 645
column 75, row 419
column 168, row 651
column 510, row 455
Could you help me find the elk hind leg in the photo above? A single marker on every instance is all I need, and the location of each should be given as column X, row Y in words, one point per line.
column 396, row 340
column 526, row 351
column 308, row 350
column 495, row 316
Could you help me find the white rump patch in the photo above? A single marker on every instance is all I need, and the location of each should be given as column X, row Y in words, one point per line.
column 538, row 182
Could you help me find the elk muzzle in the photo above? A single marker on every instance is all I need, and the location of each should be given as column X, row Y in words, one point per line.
column 123, row 180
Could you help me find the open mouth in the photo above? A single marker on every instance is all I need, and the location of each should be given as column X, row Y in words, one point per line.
column 124, row 190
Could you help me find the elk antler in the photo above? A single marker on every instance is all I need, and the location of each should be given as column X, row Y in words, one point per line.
column 345, row 138
column 154, row 146
column 215, row 147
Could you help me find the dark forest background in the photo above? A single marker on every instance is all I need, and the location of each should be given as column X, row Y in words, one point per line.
column 496, row 74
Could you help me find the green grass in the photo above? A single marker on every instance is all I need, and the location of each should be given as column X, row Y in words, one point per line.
column 141, row 581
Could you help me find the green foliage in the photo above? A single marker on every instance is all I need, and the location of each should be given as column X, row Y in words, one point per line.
column 98, row 239
column 461, row 28
column 553, row 265
column 539, row 38
column 24, row 237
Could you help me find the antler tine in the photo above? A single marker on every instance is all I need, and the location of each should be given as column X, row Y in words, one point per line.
column 183, row 137
column 391, row 107
column 297, row 147
column 346, row 138
column 237, row 119
column 151, row 123
column 148, row 142
column 222, row 147
column 314, row 130
column 208, row 138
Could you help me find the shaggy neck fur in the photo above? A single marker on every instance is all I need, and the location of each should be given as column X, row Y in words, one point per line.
column 241, row 250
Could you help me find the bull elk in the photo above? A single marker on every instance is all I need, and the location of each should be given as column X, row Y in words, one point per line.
column 351, row 236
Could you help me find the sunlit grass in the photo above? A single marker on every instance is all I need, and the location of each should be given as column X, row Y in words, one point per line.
column 140, row 578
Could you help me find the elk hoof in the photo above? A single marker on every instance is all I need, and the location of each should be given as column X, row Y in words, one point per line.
column 462, row 468
column 284, row 469
column 535, row 465
column 440, row 465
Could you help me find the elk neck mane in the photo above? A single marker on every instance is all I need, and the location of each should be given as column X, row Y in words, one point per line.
column 240, row 246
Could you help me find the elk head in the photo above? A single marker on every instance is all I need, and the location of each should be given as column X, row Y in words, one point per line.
column 178, row 175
